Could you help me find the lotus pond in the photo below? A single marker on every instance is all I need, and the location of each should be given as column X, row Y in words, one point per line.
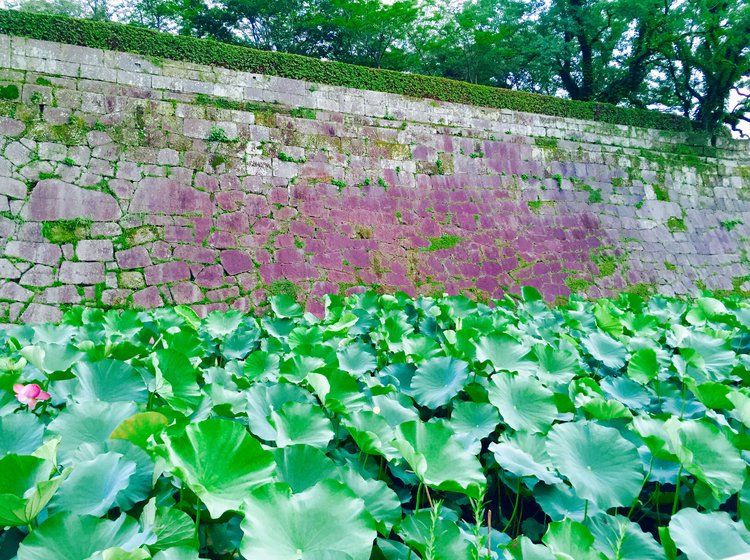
column 394, row 428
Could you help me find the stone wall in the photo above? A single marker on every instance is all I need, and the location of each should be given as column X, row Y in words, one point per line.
column 130, row 182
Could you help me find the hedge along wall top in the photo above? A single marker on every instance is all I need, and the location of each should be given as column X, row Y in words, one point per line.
column 113, row 36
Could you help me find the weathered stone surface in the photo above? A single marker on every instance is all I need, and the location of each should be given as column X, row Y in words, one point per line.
column 165, row 196
column 42, row 253
column 60, row 294
column 81, row 273
column 39, row 276
column 8, row 270
column 11, row 291
column 186, row 292
column 166, row 273
column 236, row 262
column 137, row 257
column 95, row 250
column 52, row 199
column 147, row 298
column 38, row 313
column 12, row 187
column 131, row 279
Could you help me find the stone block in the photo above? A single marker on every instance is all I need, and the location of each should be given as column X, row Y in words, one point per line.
column 95, row 250
column 165, row 196
column 147, row 298
column 41, row 253
column 52, row 200
column 131, row 279
column 39, row 313
column 167, row 273
column 81, row 273
column 39, row 276
column 137, row 257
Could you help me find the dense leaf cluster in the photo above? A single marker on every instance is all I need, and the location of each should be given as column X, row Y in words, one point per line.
column 142, row 41
column 393, row 428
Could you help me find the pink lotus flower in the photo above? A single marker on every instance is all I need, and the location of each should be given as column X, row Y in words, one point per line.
column 30, row 394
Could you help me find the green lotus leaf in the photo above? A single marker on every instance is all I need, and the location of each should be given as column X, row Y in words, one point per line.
column 325, row 519
column 220, row 325
column 109, row 381
column 381, row 502
column 139, row 428
column 263, row 399
column 476, row 420
column 602, row 466
column 441, row 540
column 706, row 453
column 437, row 380
column 177, row 380
column 297, row 423
column 284, row 306
column 78, row 537
column 25, row 488
column 241, row 341
column 643, row 366
column 173, row 528
column 740, row 404
column 437, row 458
column 561, row 502
column 707, row 536
column 89, row 422
column 618, row 537
column 705, row 309
column 51, row 357
column 606, row 409
column 505, row 353
column 708, row 358
column 524, row 549
column 220, row 462
column 337, row 390
column 372, row 433
column 92, row 487
column 523, row 402
column 556, row 367
column 357, row 358
column 117, row 553
column 261, row 365
column 570, row 539
column 605, row 349
column 302, row 466
column 525, row 455
column 177, row 553
column 21, row 433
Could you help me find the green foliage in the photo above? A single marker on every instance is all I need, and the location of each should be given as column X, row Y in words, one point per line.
column 283, row 287
column 286, row 157
column 66, row 231
column 661, row 192
column 218, row 134
column 675, row 224
column 303, row 113
column 445, row 241
column 9, row 92
column 729, row 225
column 584, row 431
column 180, row 47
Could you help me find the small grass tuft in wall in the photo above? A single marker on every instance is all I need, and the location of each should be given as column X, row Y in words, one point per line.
column 445, row 241
column 675, row 224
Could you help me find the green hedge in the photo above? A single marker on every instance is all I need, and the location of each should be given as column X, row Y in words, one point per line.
column 146, row 42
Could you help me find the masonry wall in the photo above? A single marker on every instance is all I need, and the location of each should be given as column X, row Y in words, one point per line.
column 129, row 182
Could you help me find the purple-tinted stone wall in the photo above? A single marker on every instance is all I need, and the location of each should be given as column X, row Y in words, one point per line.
column 125, row 183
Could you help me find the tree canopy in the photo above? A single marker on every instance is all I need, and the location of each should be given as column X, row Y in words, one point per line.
column 690, row 57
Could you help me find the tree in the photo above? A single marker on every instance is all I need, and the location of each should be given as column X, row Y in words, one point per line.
column 707, row 59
